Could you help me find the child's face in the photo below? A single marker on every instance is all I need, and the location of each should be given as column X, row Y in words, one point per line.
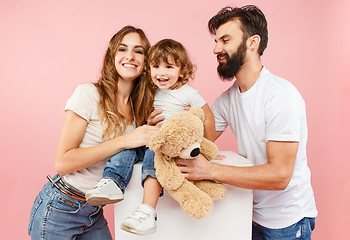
column 165, row 75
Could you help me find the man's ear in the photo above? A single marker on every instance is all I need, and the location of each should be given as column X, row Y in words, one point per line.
column 253, row 42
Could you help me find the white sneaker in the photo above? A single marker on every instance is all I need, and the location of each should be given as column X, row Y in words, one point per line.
column 106, row 191
column 143, row 221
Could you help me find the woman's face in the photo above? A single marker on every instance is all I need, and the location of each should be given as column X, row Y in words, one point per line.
column 130, row 57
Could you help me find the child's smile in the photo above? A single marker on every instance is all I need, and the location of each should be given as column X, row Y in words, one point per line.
column 165, row 74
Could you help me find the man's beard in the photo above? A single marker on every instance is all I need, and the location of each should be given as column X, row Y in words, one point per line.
column 227, row 71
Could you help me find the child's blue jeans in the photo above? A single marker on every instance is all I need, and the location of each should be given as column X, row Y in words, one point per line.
column 120, row 167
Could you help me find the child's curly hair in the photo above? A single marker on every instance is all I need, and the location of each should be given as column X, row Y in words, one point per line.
column 169, row 47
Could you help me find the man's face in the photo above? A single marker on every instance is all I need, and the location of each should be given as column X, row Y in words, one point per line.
column 230, row 49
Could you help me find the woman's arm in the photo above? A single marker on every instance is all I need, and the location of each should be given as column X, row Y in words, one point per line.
column 70, row 158
column 209, row 123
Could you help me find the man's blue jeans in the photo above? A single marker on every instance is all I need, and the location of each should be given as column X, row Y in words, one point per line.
column 301, row 230
column 120, row 167
column 55, row 216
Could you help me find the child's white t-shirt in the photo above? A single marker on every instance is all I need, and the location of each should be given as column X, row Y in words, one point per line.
column 271, row 110
column 174, row 101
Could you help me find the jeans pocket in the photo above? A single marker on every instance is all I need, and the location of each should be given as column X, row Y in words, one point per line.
column 36, row 204
column 64, row 204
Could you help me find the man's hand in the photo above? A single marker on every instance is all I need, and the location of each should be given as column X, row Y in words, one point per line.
column 219, row 157
column 198, row 168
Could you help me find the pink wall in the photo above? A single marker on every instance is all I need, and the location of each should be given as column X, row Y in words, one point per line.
column 49, row 47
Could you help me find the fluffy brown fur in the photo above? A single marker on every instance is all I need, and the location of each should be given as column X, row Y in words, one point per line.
column 176, row 134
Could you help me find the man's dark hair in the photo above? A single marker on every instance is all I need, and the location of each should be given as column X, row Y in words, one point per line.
column 253, row 22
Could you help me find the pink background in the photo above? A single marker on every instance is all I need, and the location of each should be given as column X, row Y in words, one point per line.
column 49, row 47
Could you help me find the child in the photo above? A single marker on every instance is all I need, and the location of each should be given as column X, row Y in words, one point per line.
column 170, row 70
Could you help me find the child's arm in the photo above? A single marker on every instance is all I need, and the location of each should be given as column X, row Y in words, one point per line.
column 209, row 123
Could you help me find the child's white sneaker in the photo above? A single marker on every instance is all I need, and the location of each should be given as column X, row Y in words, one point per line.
column 106, row 191
column 143, row 221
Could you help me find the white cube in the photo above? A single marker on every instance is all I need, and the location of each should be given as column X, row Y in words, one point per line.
column 230, row 219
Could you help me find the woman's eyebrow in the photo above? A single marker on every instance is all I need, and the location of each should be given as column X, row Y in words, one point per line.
column 136, row 46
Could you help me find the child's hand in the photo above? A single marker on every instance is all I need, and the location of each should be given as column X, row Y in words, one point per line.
column 187, row 108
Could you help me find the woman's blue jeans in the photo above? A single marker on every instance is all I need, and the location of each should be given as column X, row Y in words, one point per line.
column 301, row 230
column 55, row 216
column 120, row 167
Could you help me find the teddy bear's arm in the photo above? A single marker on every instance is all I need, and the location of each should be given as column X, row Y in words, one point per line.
column 208, row 149
column 167, row 172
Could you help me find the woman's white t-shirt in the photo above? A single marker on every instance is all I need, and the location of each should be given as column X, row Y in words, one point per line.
column 84, row 102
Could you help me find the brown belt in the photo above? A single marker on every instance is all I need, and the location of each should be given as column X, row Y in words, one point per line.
column 66, row 190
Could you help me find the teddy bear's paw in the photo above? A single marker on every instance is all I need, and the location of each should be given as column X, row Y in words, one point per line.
column 194, row 201
column 197, row 111
column 219, row 192
column 198, row 207
column 213, row 189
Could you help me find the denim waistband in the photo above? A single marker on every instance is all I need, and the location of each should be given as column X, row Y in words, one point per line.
column 66, row 187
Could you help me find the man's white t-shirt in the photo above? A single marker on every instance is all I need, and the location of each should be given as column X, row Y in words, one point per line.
column 173, row 101
column 271, row 110
column 84, row 102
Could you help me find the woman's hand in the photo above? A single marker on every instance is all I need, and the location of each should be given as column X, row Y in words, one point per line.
column 70, row 158
column 140, row 136
column 154, row 117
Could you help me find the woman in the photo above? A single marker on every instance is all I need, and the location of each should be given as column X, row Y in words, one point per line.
column 101, row 120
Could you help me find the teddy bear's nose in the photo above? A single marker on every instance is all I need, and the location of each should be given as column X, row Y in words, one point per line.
column 195, row 152
column 191, row 151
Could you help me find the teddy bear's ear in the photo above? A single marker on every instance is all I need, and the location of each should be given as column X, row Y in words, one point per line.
column 156, row 142
column 197, row 111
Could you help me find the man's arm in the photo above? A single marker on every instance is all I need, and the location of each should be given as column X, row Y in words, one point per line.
column 274, row 175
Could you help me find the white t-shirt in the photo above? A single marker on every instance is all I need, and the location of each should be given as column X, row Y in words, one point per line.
column 174, row 101
column 84, row 102
column 271, row 110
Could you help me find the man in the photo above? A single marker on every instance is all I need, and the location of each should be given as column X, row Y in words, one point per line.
column 267, row 115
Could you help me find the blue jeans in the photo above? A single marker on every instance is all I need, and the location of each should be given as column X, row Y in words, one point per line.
column 120, row 167
column 301, row 230
column 55, row 216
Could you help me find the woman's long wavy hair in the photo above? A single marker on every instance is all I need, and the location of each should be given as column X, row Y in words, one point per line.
column 113, row 122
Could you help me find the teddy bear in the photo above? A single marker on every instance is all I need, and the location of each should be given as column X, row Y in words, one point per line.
column 182, row 136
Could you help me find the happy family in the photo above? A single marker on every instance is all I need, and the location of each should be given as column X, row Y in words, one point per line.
column 108, row 126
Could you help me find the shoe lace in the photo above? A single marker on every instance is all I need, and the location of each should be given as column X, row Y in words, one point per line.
column 102, row 182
